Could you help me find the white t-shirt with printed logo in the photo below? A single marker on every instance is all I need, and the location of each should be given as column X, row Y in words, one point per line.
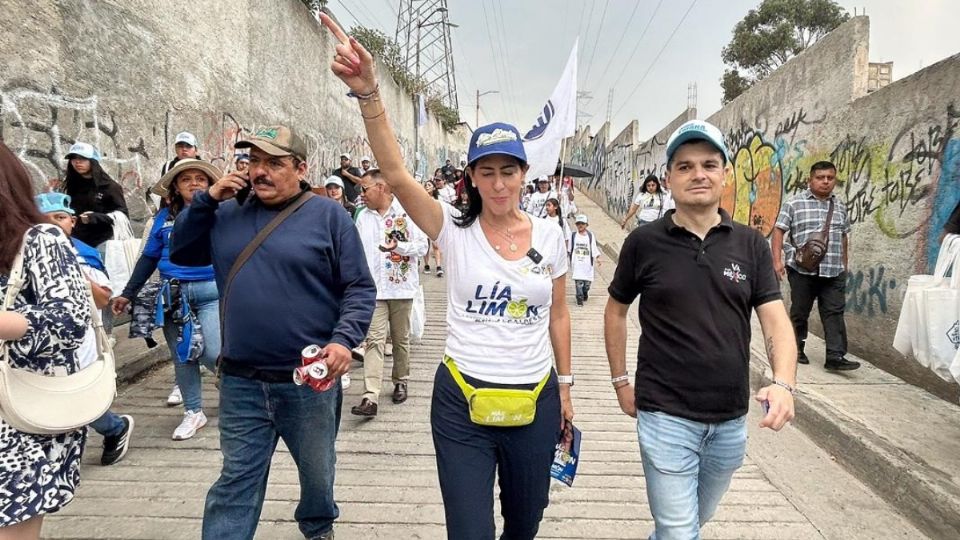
column 498, row 311
column 583, row 256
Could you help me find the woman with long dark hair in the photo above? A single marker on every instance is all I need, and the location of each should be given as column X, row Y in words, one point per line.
column 192, row 285
column 507, row 321
column 43, row 329
column 649, row 201
column 552, row 209
column 93, row 194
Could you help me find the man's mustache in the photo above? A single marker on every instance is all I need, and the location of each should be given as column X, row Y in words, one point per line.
column 261, row 181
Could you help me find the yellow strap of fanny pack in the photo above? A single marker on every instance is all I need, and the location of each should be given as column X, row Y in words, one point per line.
column 468, row 390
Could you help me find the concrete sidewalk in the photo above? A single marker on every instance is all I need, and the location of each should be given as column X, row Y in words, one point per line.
column 897, row 438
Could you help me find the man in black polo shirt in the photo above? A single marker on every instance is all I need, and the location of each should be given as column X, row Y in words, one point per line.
column 699, row 276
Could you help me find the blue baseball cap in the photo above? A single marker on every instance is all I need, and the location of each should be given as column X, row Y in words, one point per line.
column 498, row 138
column 54, row 202
column 696, row 130
column 84, row 150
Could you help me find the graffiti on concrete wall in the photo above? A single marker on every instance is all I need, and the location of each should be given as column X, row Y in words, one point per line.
column 867, row 290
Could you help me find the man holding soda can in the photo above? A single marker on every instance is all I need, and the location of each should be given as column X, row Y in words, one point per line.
column 291, row 274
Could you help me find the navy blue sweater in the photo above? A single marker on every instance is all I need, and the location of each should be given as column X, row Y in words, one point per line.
column 307, row 283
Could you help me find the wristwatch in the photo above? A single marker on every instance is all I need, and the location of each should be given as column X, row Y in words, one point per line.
column 565, row 379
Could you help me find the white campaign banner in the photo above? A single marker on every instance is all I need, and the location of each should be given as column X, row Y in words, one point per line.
column 557, row 121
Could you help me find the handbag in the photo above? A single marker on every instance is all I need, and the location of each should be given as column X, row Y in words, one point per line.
column 120, row 252
column 809, row 255
column 498, row 407
column 910, row 338
column 50, row 405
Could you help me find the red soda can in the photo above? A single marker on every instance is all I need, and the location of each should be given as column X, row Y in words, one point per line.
column 313, row 372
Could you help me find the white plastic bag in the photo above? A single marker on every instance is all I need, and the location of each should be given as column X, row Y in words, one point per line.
column 418, row 317
column 120, row 253
column 910, row 338
column 941, row 312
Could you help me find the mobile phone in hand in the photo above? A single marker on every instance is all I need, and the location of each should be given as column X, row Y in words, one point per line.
column 245, row 192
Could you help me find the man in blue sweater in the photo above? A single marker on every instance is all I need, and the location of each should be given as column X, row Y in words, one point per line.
column 307, row 283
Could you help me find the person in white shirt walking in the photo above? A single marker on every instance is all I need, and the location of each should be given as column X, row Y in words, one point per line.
column 392, row 245
column 651, row 201
column 584, row 257
column 447, row 192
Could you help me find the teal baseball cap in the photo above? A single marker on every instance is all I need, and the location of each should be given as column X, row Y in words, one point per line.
column 54, row 202
column 697, row 130
column 84, row 150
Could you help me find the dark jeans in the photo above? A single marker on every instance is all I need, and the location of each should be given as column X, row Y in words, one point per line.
column 831, row 297
column 254, row 415
column 583, row 289
column 469, row 455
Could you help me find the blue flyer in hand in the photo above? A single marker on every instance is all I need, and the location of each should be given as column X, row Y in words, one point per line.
column 567, row 455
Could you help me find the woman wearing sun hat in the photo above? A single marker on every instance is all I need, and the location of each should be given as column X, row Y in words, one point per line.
column 195, row 283
column 507, row 320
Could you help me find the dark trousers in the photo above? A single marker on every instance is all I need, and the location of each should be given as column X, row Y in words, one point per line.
column 831, row 297
column 583, row 289
column 469, row 455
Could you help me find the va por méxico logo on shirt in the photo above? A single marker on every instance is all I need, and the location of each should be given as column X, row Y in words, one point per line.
column 734, row 274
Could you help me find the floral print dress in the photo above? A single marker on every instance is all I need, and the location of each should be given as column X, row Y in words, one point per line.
column 39, row 473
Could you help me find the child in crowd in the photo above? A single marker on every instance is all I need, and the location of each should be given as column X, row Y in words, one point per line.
column 114, row 428
column 584, row 255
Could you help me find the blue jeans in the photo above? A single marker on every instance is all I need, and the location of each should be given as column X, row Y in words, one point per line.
column 688, row 466
column 204, row 301
column 583, row 289
column 254, row 415
column 108, row 425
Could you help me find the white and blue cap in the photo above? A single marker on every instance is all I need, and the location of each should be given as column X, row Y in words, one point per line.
column 185, row 137
column 84, row 150
column 498, row 138
column 696, row 130
column 54, row 201
column 581, row 218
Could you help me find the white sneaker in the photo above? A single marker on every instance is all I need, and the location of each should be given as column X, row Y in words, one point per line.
column 345, row 381
column 175, row 398
column 192, row 421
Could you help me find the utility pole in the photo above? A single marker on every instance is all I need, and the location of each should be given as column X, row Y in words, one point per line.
column 609, row 105
column 478, row 103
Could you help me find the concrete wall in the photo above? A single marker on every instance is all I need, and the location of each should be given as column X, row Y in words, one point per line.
column 898, row 156
column 129, row 75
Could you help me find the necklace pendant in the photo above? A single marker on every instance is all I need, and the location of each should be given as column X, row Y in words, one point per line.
column 497, row 248
column 513, row 247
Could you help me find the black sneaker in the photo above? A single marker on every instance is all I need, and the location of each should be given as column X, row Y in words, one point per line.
column 802, row 358
column 841, row 364
column 114, row 448
column 426, row 269
column 439, row 272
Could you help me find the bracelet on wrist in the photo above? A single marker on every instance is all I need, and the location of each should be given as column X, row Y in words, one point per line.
column 374, row 92
column 620, row 384
column 620, row 378
column 785, row 386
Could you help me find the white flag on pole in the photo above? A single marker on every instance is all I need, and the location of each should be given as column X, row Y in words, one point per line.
column 421, row 110
column 556, row 121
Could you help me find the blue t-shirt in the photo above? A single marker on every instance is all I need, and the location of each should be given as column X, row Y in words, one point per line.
column 158, row 247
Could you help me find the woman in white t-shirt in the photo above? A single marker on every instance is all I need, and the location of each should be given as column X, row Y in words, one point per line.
column 650, row 201
column 507, row 318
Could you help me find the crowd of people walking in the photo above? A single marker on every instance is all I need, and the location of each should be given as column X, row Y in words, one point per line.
column 241, row 269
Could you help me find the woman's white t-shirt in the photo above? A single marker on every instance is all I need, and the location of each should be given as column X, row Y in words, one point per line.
column 498, row 311
column 651, row 205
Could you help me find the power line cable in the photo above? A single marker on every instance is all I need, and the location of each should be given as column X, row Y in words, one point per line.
column 496, row 61
column 639, row 41
column 656, row 58
column 620, row 42
column 596, row 42
column 498, row 10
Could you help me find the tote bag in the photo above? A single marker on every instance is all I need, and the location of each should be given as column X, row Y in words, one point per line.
column 910, row 338
column 418, row 317
column 120, row 253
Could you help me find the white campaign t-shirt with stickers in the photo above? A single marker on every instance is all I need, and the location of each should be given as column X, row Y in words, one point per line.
column 583, row 254
column 498, row 311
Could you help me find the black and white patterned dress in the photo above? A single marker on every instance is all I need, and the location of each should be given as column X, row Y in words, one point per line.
column 38, row 473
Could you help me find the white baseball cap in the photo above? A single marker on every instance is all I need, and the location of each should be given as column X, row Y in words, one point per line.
column 366, row 158
column 581, row 218
column 185, row 137
column 345, row 155
column 334, row 180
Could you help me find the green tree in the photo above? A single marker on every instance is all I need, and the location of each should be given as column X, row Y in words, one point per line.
column 770, row 35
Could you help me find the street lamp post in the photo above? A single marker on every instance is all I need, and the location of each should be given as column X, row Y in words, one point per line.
column 478, row 103
column 416, row 96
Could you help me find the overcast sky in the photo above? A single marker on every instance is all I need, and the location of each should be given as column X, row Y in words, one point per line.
column 519, row 47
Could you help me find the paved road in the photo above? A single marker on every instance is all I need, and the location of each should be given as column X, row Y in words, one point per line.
column 387, row 485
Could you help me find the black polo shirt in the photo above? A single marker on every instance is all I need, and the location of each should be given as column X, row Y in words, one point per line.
column 696, row 300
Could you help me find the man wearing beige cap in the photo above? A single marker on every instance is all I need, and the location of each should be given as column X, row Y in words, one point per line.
column 307, row 283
